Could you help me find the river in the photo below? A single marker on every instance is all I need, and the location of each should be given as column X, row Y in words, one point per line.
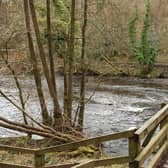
column 117, row 104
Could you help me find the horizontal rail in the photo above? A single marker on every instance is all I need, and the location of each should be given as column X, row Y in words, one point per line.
column 157, row 156
column 18, row 149
column 152, row 123
column 144, row 154
column 68, row 165
column 4, row 165
column 103, row 162
column 91, row 141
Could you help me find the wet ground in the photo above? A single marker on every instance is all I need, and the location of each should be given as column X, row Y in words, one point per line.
column 118, row 104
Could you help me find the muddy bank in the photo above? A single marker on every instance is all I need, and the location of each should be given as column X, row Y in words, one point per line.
column 21, row 65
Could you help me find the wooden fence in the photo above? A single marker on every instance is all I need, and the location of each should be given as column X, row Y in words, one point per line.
column 151, row 137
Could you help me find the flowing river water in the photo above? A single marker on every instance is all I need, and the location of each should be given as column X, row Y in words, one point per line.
column 117, row 104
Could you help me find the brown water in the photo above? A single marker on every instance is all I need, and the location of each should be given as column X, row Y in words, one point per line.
column 117, row 105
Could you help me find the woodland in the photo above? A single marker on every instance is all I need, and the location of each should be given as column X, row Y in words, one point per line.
column 76, row 38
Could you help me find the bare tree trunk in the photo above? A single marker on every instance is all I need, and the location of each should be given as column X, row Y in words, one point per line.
column 82, row 89
column 65, row 84
column 71, row 60
column 49, row 35
column 51, row 60
column 57, row 115
column 45, row 114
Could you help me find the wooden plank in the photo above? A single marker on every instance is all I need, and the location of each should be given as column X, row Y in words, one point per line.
column 93, row 141
column 149, row 137
column 133, row 145
column 17, row 149
column 68, row 165
column 152, row 123
column 152, row 144
column 157, row 156
column 165, row 121
column 5, row 165
column 103, row 162
column 39, row 160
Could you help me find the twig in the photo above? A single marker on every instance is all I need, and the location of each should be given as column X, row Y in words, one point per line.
column 19, row 108
column 32, row 131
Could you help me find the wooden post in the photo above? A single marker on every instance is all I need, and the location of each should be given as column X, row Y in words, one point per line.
column 39, row 160
column 133, row 150
column 162, row 124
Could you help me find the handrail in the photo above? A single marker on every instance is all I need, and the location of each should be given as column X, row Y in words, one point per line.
column 5, row 165
column 158, row 155
column 103, row 162
column 152, row 123
column 71, row 146
column 67, row 165
column 91, row 141
column 144, row 154
column 40, row 153
column 148, row 142
column 18, row 149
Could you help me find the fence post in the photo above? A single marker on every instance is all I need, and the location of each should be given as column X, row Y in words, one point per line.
column 39, row 160
column 134, row 145
column 162, row 124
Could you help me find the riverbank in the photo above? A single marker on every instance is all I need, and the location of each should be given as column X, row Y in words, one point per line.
column 94, row 67
column 127, row 69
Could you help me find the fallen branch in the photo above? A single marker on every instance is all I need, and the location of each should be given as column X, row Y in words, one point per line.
column 32, row 131
column 46, row 131
column 23, row 111
column 57, row 135
column 23, row 125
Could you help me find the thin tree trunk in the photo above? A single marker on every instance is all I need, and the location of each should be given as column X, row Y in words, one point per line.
column 65, row 85
column 45, row 114
column 82, row 89
column 71, row 60
column 57, row 115
column 51, row 60
column 50, row 52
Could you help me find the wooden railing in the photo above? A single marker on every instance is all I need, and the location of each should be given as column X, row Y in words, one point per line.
column 141, row 144
column 152, row 137
column 39, row 154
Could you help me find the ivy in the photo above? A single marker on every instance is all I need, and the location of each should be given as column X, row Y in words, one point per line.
column 132, row 32
column 146, row 50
